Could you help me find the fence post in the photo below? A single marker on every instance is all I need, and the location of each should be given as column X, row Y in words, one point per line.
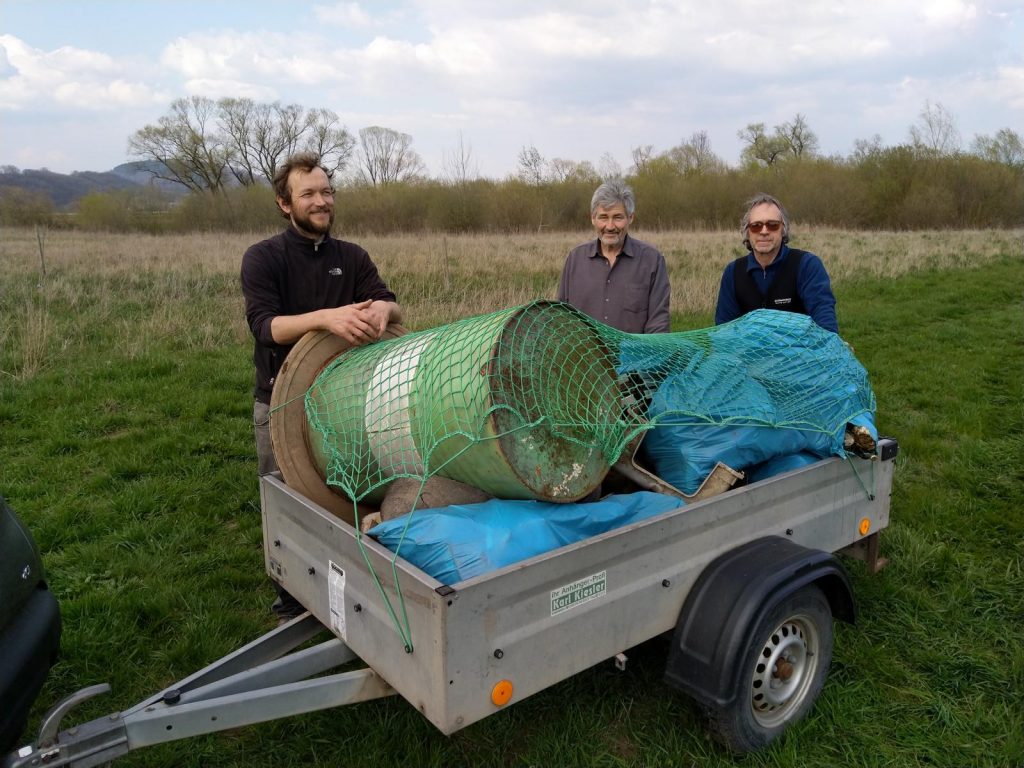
column 447, row 273
column 41, row 240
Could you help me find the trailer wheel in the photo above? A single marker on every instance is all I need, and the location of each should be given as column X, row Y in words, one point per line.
column 785, row 664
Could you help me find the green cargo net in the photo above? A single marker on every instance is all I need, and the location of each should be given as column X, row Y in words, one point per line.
column 539, row 401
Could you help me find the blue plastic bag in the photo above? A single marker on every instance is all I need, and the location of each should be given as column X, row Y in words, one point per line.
column 780, row 464
column 458, row 542
column 771, row 384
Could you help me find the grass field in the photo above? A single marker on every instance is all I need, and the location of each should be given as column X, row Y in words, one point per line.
column 125, row 409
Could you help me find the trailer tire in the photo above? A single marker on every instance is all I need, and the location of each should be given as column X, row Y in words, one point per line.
column 785, row 664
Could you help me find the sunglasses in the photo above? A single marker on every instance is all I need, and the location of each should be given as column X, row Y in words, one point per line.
column 760, row 226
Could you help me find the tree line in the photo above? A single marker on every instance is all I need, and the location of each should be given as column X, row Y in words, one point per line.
column 209, row 146
column 225, row 151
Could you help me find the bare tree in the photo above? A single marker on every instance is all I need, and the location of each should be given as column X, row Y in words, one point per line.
column 459, row 165
column 238, row 117
column 187, row 146
column 793, row 139
column 260, row 136
column 695, row 155
column 278, row 131
column 387, row 156
column 1005, row 147
column 642, row 156
column 761, row 148
column 702, row 152
column 202, row 143
column 800, row 139
column 275, row 133
column 608, row 167
column 935, row 131
column 531, row 165
column 866, row 148
column 561, row 171
column 329, row 139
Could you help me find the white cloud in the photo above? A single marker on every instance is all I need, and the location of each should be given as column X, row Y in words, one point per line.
column 6, row 68
column 38, row 64
column 110, row 95
column 725, row 35
column 460, row 52
column 517, row 47
column 576, row 78
column 213, row 56
column 974, row 97
column 497, row 107
column 389, row 51
column 948, row 13
column 29, row 156
column 68, row 77
column 1010, row 86
column 657, row 71
column 466, row 53
column 268, row 62
column 343, row 14
column 240, row 89
column 565, row 35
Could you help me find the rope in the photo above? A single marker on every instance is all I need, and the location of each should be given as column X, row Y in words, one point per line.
column 870, row 493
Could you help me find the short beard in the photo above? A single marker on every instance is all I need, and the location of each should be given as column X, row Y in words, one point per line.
column 306, row 223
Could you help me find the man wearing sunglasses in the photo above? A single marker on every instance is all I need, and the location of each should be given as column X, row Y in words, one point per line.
column 773, row 275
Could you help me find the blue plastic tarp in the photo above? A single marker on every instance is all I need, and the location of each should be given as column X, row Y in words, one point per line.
column 767, row 385
column 458, row 542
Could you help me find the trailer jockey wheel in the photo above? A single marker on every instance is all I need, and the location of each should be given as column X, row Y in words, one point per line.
column 784, row 668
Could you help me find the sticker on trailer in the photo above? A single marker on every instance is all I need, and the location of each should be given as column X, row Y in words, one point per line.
column 579, row 592
column 336, row 595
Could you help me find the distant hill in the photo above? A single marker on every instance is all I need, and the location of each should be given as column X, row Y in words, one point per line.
column 140, row 173
column 65, row 189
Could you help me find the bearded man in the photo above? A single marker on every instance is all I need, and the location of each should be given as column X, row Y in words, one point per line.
column 304, row 280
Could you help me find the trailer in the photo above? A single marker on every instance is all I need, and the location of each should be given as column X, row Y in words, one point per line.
column 747, row 581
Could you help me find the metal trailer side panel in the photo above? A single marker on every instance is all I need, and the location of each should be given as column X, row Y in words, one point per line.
column 525, row 623
column 301, row 542
column 648, row 569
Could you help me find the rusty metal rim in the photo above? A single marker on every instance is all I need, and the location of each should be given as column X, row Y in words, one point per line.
column 289, row 430
column 494, row 373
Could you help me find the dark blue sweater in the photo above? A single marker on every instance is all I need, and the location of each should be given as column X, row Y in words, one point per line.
column 812, row 281
column 289, row 274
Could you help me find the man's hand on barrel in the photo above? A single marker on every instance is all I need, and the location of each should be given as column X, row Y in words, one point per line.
column 357, row 323
column 381, row 312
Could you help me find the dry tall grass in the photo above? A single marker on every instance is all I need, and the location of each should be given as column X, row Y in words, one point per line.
column 185, row 287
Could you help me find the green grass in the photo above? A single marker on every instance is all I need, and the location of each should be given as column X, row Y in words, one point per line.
column 132, row 461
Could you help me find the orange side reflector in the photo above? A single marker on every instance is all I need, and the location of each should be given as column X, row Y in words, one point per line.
column 865, row 526
column 501, row 693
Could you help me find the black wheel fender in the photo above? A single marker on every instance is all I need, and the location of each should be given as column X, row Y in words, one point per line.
column 731, row 598
column 783, row 669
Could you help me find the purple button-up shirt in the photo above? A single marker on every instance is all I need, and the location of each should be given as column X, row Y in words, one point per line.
column 631, row 295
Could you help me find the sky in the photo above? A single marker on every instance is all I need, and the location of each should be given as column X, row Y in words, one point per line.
column 579, row 81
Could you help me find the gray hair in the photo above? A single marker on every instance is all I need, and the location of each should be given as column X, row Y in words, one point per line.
column 611, row 193
column 757, row 200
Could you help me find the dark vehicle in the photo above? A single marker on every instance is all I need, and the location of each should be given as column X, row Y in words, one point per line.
column 29, row 626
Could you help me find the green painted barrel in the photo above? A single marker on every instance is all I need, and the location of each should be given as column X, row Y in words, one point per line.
column 517, row 403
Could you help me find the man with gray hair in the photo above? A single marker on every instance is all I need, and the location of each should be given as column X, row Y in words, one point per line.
column 773, row 275
column 617, row 280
